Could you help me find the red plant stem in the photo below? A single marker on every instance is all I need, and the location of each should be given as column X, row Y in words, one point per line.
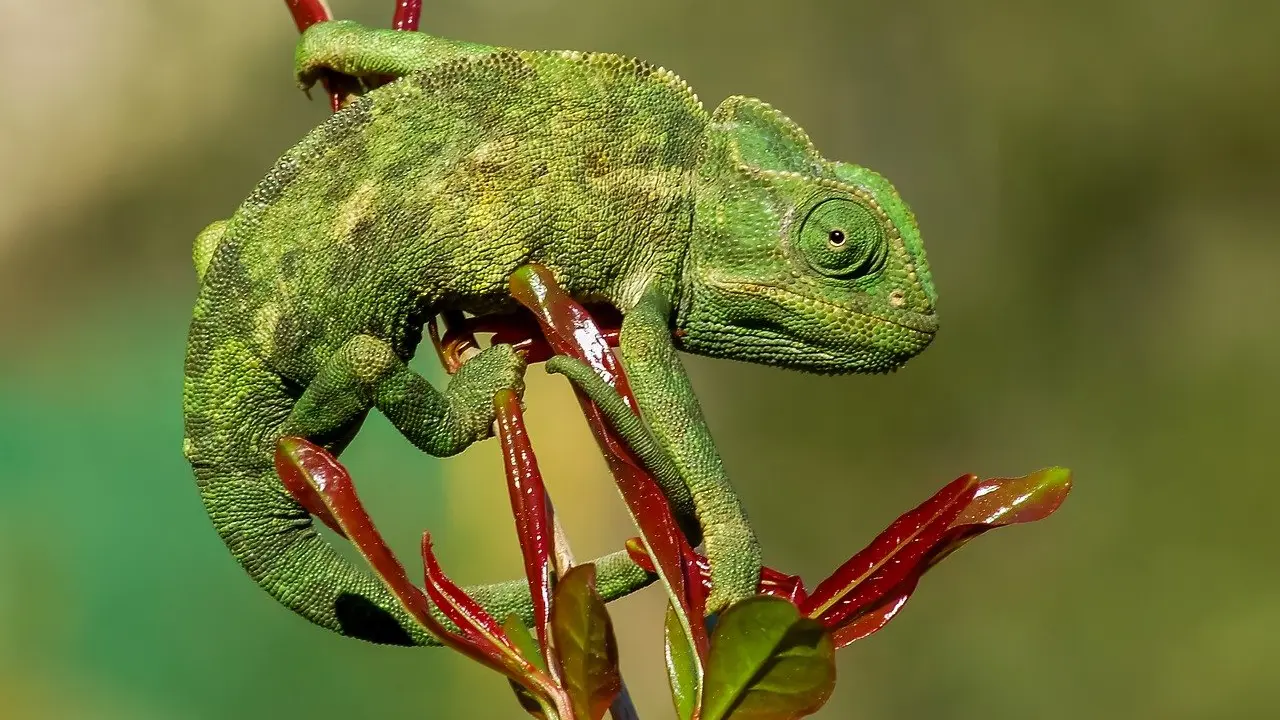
column 308, row 12
column 407, row 14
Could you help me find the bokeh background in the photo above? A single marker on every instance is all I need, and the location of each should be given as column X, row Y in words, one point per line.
column 1097, row 183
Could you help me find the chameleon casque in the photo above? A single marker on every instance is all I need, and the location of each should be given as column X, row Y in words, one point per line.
column 425, row 194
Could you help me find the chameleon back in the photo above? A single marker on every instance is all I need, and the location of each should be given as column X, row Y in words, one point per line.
column 436, row 187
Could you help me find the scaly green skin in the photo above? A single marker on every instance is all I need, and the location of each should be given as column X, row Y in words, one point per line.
column 426, row 194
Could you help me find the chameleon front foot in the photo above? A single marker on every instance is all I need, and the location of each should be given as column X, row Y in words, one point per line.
column 349, row 48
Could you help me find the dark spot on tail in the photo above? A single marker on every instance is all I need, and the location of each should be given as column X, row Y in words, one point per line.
column 360, row 618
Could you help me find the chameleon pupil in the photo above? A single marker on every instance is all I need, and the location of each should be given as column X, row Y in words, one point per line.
column 836, row 237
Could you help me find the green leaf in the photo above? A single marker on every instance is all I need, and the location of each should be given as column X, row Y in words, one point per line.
column 528, row 647
column 585, row 647
column 767, row 662
column 524, row 641
column 682, row 669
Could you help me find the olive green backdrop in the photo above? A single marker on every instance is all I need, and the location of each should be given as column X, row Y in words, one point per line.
column 1097, row 183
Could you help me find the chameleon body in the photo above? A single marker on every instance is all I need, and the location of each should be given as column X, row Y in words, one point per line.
column 426, row 194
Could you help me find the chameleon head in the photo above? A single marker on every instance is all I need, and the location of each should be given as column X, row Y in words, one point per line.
column 799, row 261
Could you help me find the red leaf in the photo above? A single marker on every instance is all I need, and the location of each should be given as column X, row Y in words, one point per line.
column 570, row 330
column 296, row 460
column 567, row 325
column 869, row 601
column 529, row 507
column 332, row 486
column 480, row 637
column 877, row 615
column 892, row 557
column 1006, row 501
column 997, row 502
column 460, row 608
column 663, row 540
column 787, row 587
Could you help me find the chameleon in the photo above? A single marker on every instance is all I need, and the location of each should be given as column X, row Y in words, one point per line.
column 721, row 233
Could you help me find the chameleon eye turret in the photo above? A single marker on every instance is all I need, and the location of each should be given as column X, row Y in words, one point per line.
column 843, row 239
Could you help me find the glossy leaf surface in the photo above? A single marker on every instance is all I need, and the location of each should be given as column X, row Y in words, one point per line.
column 407, row 15
column 585, row 647
column 890, row 558
column 772, row 582
column 767, row 662
column 682, row 670
column 993, row 503
column 483, row 637
column 331, row 485
column 570, row 330
column 478, row 637
column 303, row 467
column 529, row 507
column 528, row 647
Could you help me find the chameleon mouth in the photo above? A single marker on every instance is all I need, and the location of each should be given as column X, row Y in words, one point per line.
column 922, row 325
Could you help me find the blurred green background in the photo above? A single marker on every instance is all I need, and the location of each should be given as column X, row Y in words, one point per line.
column 1097, row 184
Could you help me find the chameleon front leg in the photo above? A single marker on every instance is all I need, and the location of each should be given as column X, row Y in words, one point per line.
column 367, row 373
column 350, row 48
column 674, row 419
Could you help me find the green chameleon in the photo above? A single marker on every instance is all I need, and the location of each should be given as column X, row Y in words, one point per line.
column 426, row 194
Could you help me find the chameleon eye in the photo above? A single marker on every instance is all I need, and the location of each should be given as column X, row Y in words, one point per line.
column 843, row 239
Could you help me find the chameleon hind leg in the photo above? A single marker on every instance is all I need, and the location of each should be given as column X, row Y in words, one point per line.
column 367, row 373
column 349, row 48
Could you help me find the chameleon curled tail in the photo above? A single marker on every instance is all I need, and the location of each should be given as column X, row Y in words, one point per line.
column 280, row 548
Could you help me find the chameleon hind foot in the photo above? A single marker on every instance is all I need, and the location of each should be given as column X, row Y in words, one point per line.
column 367, row 373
